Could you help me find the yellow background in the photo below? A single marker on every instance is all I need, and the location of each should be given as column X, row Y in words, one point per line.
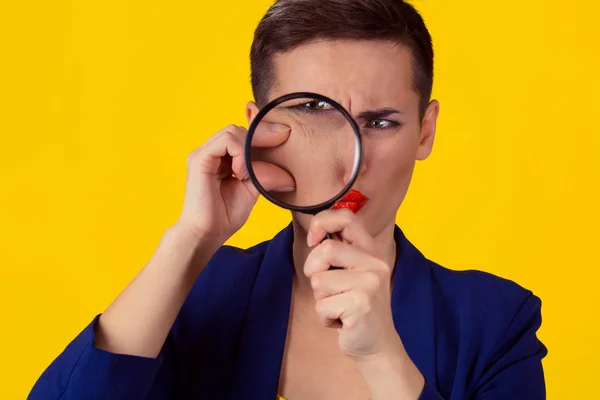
column 102, row 101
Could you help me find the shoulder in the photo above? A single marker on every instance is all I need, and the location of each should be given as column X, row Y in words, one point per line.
column 486, row 329
column 486, row 312
column 477, row 290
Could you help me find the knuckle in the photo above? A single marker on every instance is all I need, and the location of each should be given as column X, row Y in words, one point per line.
column 343, row 216
column 235, row 131
column 329, row 246
column 316, row 281
column 362, row 301
column 350, row 323
column 230, row 128
column 347, row 215
column 227, row 135
column 372, row 281
column 386, row 271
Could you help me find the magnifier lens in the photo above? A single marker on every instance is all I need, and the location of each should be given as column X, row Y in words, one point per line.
column 304, row 152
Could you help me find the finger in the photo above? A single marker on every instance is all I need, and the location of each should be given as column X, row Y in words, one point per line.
column 343, row 307
column 333, row 282
column 343, row 222
column 209, row 157
column 270, row 134
column 236, row 130
column 344, row 255
column 273, row 178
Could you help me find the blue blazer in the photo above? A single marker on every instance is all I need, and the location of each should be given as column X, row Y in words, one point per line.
column 471, row 334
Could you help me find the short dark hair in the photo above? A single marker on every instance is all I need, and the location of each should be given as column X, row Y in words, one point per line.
column 292, row 23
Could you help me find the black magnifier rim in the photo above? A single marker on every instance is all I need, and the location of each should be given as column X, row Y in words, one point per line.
column 358, row 145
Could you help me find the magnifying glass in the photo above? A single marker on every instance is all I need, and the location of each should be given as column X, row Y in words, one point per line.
column 303, row 152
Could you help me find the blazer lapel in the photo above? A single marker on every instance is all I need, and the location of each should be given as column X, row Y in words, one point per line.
column 264, row 331
column 412, row 305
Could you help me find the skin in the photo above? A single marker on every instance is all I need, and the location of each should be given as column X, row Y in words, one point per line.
column 364, row 358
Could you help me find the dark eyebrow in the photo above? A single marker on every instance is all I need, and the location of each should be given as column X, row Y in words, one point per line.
column 378, row 114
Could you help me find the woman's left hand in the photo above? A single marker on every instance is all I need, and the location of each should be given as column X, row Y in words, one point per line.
column 359, row 293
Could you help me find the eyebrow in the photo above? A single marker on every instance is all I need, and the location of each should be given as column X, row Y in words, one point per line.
column 378, row 113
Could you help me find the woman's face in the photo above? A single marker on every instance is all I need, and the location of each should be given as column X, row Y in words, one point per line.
column 373, row 81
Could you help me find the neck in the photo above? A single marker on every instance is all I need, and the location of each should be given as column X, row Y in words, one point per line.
column 301, row 250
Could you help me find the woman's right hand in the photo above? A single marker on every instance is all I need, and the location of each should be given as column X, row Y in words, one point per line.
column 218, row 200
column 219, row 194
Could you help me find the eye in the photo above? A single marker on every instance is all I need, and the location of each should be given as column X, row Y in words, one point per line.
column 317, row 105
column 381, row 124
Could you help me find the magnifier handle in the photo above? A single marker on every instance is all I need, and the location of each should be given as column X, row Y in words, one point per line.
column 330, row 236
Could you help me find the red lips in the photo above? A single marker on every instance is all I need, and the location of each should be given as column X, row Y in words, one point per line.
column 353, row 201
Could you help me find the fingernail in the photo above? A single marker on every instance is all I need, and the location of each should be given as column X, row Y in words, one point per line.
column 279, row 128
column 284, row 189
column 309, row 239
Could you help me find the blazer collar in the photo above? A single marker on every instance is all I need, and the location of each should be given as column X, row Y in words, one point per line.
column 412, row 305
column 264, row 331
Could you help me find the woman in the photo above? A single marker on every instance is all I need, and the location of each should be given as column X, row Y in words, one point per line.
column 203, row 320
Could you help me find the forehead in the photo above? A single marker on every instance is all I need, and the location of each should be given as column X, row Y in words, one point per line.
column 362, row 73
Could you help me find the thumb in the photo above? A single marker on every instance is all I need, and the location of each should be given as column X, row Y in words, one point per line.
column 270, row 134
column 273, row 178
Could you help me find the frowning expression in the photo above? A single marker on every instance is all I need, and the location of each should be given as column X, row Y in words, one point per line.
column 374, row 81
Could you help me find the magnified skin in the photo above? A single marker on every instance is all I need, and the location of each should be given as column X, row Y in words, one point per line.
column 318, row 153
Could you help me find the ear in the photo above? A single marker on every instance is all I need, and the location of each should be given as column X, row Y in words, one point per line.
column 251, row 111
column 428, row 126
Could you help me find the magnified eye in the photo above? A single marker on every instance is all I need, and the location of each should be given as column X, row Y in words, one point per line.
column 317, row 105
column 311, row 106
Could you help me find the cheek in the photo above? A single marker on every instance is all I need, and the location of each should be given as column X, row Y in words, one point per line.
column 389, row 169
column 396, row 170
column 391, row 160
